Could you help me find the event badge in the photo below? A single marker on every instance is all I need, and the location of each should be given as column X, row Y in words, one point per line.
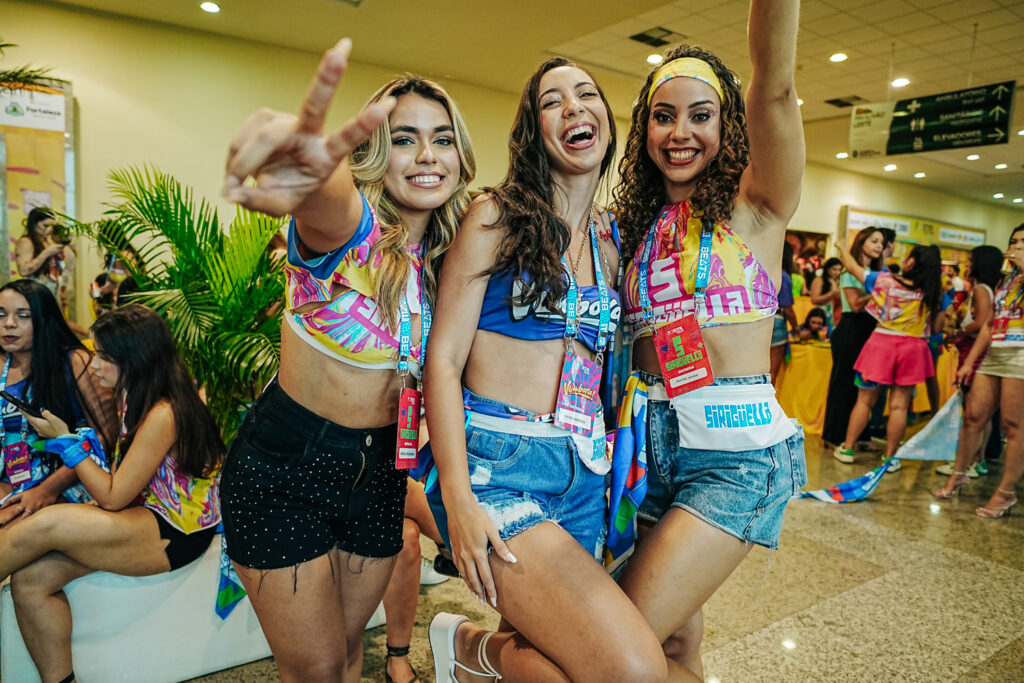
column 18, row 462
column 578, row 395
column 408, row 429
column 683, row 358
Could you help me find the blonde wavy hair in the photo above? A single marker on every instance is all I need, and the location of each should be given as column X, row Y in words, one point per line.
column 369, row 162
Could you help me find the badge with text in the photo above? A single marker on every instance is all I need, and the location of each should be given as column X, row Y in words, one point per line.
column 1000, row 325
column 408, row 429
column 684, row 359
column 578, row 395
column 18, row 462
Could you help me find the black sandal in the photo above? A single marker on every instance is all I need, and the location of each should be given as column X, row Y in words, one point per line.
column 398, row 652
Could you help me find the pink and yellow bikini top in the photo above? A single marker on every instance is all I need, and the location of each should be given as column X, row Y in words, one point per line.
column 739, row 289
column 346, row 325
column 188, row 503
column 1008, row 321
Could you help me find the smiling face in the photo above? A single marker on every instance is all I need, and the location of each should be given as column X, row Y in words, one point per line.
column 423, row 169
column 873, row 245
column 106, row 371
column 684, row 133
column 574, row 121
column 15, row 322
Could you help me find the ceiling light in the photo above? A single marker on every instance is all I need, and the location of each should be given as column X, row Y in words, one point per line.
column 919, row 175
column 999, row 167
column 900, row 82
column 1020, row 132
column 842, row 155
column 973, row 157
column 1018, row 200
column 838, row 57
column 997, row 195
column 655, row 59
column 210, row 7
column 889, row 167
column 799, row 102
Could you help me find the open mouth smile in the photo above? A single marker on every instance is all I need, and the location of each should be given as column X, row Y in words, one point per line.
column 426, row 180
column 680, row 157
column 580, row 136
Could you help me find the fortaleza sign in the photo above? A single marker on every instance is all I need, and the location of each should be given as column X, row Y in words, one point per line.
column 963, row 118
column 28, row 108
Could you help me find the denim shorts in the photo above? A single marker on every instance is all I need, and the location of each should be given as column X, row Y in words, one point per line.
column 521, row 480
column 295, row 485
column 743, row 493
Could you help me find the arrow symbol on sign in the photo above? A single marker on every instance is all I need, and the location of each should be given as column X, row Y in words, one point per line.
column 1000, row 90
column 998, row 135
column 996, row 111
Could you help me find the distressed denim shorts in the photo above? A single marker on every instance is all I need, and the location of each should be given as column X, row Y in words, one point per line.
column 524, row 473
column 743, row 493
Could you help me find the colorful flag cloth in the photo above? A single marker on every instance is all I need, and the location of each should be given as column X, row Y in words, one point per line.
column 629, row 472
column 849, row 491
column 229, row 588
column 938, row 439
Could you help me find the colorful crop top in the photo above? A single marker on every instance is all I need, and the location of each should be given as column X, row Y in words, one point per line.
column 1008, row 323
column 897, row 308
column 188, row 503
column 739, row 289
column 502, row 313
column 347, row 326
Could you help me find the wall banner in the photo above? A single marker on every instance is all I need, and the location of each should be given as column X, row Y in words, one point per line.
column 912, row 229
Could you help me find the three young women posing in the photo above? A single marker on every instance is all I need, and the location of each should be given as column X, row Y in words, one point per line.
column 313, row 501
column 703, row 172
column 526, row 311
column 167, row 456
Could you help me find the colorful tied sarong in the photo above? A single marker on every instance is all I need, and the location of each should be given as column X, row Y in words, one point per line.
column 629, row 472
column 849, row 491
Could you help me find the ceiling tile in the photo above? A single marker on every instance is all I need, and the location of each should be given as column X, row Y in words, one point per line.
column 932, row 34
column 693, row 26
column 960, row 10
column 727, row 12
column 835, row 25
column 809, row 11
column 883, row 11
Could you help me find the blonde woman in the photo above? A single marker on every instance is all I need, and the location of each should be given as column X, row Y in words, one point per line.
column 313, row 501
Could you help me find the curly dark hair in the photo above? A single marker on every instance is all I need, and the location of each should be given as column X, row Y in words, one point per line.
column 535, row 236
column 641, row 190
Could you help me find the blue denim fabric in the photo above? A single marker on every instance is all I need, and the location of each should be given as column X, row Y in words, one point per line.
column 521, row 481
column 743, row 493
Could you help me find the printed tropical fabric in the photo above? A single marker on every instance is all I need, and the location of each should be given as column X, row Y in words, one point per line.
column 739, row 289
column 188, row 503
column 1008, row 323
column 895, row 306
column 335, row 294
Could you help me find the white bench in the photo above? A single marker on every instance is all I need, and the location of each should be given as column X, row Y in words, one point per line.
column 159, row 629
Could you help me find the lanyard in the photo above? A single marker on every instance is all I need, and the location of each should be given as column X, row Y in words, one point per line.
column 123, row 431
column 28, row 397
column 703, row 272
column 572, row 300
column 405, row 332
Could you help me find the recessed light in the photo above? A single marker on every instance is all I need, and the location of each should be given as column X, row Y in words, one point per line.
column 999, row 167
column 997, row 195
column 655, row 59
column 210, row 7
column 1018, row 200
column 838, row 57
column 973, row 157
column 889, row 167
column 842, row 155
column 799, row 102
column 919, row 175
column 1020, row 132
column 900, row 82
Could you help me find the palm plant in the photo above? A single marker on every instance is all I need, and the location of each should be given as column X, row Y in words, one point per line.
column 219, row 291
column 20, row 76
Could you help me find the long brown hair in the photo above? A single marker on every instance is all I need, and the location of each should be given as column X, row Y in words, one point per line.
column 641, row 190
column 535, row 236
column 857, row 248
column 369, row 163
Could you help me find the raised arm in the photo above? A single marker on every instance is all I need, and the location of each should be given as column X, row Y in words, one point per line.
column 771, row 184
column 459, row 300
column 297, row 169
column 852, row 267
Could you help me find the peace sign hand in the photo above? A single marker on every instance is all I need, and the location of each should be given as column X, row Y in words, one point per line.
column 288, row 155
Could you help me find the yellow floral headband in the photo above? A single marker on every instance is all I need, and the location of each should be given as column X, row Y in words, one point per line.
column 690, row 67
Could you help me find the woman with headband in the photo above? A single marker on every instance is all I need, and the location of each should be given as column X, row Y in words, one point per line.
column 526, row 312
column 707, row 191
column 314, row 484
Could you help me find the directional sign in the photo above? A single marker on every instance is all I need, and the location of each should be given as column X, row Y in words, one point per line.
column 964, row 118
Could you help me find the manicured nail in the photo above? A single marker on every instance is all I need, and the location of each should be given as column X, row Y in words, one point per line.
column 511, row 558
column 494, row 602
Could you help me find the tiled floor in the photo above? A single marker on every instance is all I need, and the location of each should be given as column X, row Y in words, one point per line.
column 897, row 588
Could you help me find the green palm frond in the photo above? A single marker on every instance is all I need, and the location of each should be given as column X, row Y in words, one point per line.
column 11, row 79
column 218, row 291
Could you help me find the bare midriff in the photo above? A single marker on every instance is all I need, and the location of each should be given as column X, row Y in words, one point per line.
column 736, row 350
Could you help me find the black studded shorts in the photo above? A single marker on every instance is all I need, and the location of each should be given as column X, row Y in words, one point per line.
column 296, row 485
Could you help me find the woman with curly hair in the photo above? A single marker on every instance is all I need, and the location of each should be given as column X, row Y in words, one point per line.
column 709, row 185
column 525, row 313
column 312, row 491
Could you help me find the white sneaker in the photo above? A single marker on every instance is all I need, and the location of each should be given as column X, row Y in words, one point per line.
column 978, row 469
column 844, row 455
column 428, row 575
column 894, row 466
column 945, row 470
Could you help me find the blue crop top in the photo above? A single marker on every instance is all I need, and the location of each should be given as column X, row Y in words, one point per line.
column 539, row 321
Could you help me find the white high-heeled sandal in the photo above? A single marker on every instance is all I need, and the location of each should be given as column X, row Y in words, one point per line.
column 442, row 645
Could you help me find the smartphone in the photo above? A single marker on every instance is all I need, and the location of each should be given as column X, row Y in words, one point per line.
column 20, row 404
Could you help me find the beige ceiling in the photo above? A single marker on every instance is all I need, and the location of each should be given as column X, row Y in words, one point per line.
column 497, row 44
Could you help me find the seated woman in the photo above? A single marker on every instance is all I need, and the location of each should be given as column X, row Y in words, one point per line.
column 44, row 364
column 813, row 326
column 155, row 512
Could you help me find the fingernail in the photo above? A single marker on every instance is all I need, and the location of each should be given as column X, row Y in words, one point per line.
column 494, row 602
column 511, row 558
